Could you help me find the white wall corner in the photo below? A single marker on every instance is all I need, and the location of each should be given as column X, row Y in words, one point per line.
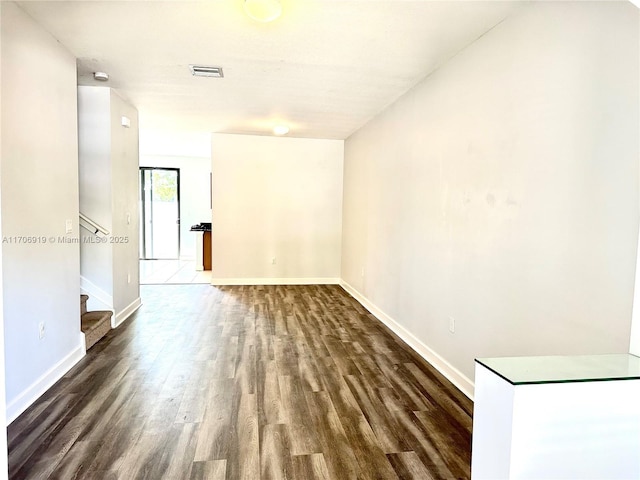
column 275, row 281
column 98, row 298
column 25, row 399
column 125, row 313
column 464, row 384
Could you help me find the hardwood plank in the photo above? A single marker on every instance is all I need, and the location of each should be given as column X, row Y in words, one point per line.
column 425, row 444
column 453, row 445
column 368, row 368
column 213, row 437
column 339, row 351
column 458, row 407
column 303, row 441
column 338, row 455
column 389, row 435
column 246, row 382
column 371, row 459
column 245, row 370
column 275, row 453
column 403, row 385
column 194, row 398
column 180, row 450
column 341, row 396
column 213, row 470
column 270, row 408
column 308, row 371
column 25, row 443
column 165, row 455
column 57, row 449
column 243, row 460
column 108, row 451
column 409, row 467
column 310, row 467
column 285, row 355
column 144, row 460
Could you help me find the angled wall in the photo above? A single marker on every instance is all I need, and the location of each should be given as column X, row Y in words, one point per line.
column 502, row 193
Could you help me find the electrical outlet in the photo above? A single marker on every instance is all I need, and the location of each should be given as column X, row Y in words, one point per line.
column 41, row 330
column 452, row 325
column 273, row 261
column 68, row 226
column 128, row 278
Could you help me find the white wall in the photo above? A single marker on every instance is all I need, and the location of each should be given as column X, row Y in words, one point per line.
column 94, row 142
column 175, row 144
column 276, row 198
column 502, row 191
column 195, row 199
column 109, row 196
column 39, row 193
column 4, row 468
column 634, row 343
column 124, row 205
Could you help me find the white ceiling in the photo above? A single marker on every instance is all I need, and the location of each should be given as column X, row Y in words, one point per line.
column 324, row 68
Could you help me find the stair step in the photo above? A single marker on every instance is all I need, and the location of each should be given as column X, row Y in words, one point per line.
column 83, row 303
column 95, row 325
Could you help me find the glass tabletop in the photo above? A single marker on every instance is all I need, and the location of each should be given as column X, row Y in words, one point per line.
column 561, row 369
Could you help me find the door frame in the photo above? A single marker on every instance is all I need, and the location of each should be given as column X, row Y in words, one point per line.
column 143, row 213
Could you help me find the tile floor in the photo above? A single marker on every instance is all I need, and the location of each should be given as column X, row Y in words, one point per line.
column 153, row 272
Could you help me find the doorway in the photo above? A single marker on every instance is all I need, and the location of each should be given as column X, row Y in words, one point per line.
column 159, row 213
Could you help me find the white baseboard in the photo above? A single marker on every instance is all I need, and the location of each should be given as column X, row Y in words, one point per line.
column 121, row 316
column 24, row 400
column 464, row 384
column 98, row 298
column 275, row 281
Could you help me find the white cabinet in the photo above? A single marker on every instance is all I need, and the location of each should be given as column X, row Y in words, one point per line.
column 557, row 418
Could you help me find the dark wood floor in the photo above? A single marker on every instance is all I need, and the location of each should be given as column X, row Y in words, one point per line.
column 284, row 382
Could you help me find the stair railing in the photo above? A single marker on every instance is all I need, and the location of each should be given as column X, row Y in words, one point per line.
column 95, row 227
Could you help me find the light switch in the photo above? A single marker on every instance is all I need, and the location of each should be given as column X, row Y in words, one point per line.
column 68, row 226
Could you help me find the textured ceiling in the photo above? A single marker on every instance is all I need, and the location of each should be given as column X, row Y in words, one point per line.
column 324, row 68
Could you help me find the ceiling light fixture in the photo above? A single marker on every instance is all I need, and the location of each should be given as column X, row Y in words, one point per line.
column 204, row 71
column 263, row 10
column 101, row 76
column 280, row 129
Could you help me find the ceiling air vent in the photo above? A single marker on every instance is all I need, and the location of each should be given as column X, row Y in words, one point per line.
column 202, row 71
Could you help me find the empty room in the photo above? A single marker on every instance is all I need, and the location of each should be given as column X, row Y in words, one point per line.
column 416, row 221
